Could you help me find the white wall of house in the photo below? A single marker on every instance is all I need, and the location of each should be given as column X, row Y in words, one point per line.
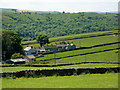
column 31, row 51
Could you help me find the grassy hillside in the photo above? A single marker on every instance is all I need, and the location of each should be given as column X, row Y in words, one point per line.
column 83, row 29
column 75, row 52
column 73, row 36
column 109, row 56
column 84, row 42
column 31, row 24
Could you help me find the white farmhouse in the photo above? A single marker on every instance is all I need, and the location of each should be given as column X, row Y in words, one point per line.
column 30, row 51
column 16, row 61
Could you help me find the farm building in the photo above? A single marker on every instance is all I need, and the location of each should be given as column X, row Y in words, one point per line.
column 30, row 51
column 48, row 48
column 30, row 58
column 16, row 61
column 68, row 46
column 60, row 47
column 40, row 50
column 116, row 34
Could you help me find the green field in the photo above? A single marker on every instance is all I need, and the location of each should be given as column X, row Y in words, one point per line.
column 82, row 35
column 61, row 27
column 86, row 42
column 13, row 69
column 109, row 56
column 76, row 52
column 75, row 36
column 81, row 81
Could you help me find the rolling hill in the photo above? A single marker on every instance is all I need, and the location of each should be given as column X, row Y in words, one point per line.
column 29, row 24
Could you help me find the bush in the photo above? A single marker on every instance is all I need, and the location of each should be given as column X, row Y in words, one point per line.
column 75, row 74
column 17, row 55
column 13, row 77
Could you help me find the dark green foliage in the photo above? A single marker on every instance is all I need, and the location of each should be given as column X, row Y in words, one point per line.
column 11, row 43
column 30, row 25
column 17, row 55
column 42, row 40
column 13, row 77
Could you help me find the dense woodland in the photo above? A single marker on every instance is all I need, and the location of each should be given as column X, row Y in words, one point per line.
column 31, row 24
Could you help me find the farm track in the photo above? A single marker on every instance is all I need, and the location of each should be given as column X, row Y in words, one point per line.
column 72, row 38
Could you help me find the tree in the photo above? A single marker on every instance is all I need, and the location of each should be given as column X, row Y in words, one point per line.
column 43, row 39
column 63, row 12
column 11, row 43
column 17, row 55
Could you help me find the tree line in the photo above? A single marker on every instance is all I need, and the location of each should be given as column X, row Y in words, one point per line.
column 30, row 25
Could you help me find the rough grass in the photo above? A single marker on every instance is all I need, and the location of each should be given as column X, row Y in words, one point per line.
column 19, row 68
column 108, row 80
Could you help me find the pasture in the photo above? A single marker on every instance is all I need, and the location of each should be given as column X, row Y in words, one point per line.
column 86, row 42
column 80, row 81
column 76, row 52
column 108, row 56
column 75, row 36
column 75, row 56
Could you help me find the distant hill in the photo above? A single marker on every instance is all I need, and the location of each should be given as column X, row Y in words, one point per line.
column 29, row 24
column 109, row 12
column 8, row 10
column 23, row 11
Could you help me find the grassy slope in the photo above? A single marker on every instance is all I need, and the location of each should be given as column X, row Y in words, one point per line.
column 85, row 42
column 82, row 35
column 76, row 52
column 74, row 35
column 13, row 69
column 82, row 81
column 94, row 41
column 109, row 56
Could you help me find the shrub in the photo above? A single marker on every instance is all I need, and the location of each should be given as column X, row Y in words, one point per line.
column 17, row 55
column 75, row 73
column 13, row 77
